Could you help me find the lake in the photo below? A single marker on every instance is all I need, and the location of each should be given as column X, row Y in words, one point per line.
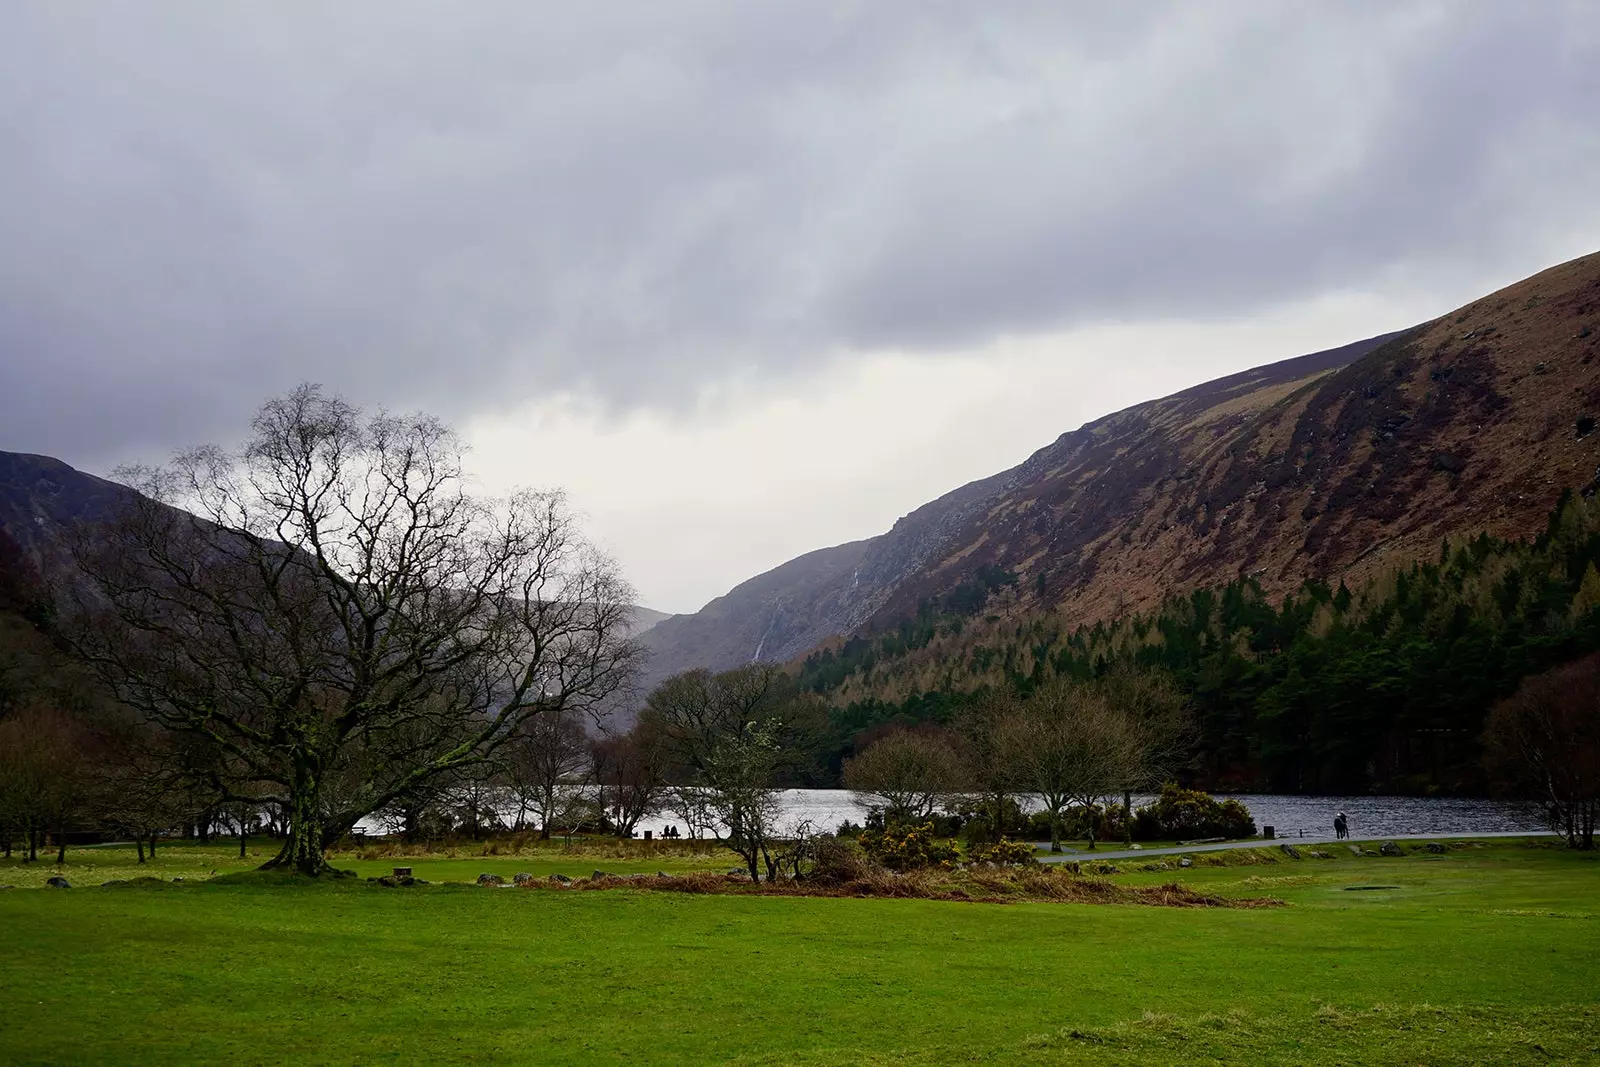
column 1369, row 816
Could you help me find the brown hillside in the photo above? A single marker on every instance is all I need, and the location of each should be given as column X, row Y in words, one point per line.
column 1321, row 466
column 1476, row 421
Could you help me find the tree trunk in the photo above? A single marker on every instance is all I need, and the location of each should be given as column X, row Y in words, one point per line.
column 1055, row 829
column 33, row 845
column 138, row 842
column 303, row 849
column 61, row 848
column 242, row 836
column 152, row 844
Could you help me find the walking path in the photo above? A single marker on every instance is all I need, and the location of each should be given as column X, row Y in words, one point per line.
column 1259, row 842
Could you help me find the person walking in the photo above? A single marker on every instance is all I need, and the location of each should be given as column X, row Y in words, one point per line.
column 1341, row 826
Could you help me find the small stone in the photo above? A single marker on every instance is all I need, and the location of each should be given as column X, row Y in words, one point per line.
column 1319, row 855
column 1389, row 848
column 1355, row 850
column 522, row 878
column 663, row 874
column 1186, row 862
column 597, row 875
column 57, row 882
column 563, row 879
column 490, row 880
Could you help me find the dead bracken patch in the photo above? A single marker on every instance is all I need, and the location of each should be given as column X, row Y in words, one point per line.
column 973, row 886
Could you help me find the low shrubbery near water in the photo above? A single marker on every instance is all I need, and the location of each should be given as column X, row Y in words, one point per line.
column 1186, row 814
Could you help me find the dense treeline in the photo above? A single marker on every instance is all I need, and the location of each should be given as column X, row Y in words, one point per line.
column 1381, row 688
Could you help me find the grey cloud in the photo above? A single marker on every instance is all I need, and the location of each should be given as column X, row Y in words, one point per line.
column 462, row 206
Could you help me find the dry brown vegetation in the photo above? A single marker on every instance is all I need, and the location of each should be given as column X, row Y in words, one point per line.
column 977, row 885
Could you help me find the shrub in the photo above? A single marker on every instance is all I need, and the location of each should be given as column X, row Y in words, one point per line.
column 1004, row 854
column 1188, row 813
column 836, row 859
column 903, row 848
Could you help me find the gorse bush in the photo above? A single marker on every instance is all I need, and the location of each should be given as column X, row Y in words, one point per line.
column 902, row 848
column 1188, row 813
column 1004, row 854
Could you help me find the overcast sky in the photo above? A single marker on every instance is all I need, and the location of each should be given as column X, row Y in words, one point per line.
column 751, row 278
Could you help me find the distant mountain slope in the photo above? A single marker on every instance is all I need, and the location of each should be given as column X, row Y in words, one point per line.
column 41, row 497
column 1315, row 466
column 645, row 619
column 792, row 608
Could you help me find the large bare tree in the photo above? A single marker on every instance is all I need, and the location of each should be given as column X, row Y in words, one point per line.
column 333, row 609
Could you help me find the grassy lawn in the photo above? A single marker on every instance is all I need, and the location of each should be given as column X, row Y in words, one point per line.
column 1481, row 955
column 90, row 866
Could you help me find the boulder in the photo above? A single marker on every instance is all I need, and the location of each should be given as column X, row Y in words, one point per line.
column 522, row 878
column 1389, row 848
column 1290, row 851
column 1186, row 862
column 1355, row 850
column 597, row 875
column 1319, row 855
column 563, row 879
column 55, row 881
column 663, row 874
column 491, row 880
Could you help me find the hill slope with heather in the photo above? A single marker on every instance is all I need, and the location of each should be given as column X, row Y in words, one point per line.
column 1330, row 465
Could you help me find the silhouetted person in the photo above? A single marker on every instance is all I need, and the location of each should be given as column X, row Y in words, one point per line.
column 1341, row 826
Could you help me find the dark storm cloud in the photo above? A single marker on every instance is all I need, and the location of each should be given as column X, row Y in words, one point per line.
column 460, row 206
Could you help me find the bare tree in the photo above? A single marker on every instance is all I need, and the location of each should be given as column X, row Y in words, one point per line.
column 630, row 775
column 546, row 763
column 988, row 754
column 42, row 776
column 731, row 734
column 1158, row 711
column 340, row 616
column 909, row 774
column 1070, row 745
column 693, row 805
column 1544, row 743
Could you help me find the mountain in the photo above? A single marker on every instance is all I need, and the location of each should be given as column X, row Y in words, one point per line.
column 645, row 619
column 41, row 498
column 1327, row 465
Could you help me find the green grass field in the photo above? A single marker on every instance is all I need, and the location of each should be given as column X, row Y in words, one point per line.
column 1483, row 955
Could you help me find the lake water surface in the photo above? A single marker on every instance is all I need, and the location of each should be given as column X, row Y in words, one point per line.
column 1368, row 816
